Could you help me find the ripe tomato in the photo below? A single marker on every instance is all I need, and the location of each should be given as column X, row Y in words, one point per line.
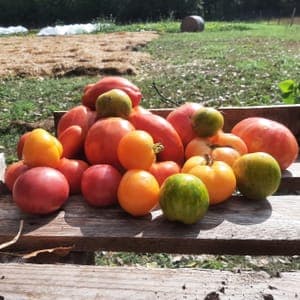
column 40, row 190
column 99, row 185
column 230, row 140
column 107, row 83
column 41, row 149
column 162, row 132
column 197, row 146
column 219, row 179
column 264, row 135
column 72, row 140
column 12, row 172
column 102, row 141
column 163, row 169
column 180, row 118
column 73, row 170
column 20, row 144
column 193, row 161
column 79, row 115
column 136, row 150
column 138, row 192
column 226, row 154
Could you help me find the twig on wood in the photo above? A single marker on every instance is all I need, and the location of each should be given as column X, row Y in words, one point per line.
column 15, row 239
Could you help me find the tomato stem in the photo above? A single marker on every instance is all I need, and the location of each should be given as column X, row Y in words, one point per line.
column 158, row 147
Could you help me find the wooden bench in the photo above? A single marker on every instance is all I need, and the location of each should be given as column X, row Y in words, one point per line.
column 238, row 227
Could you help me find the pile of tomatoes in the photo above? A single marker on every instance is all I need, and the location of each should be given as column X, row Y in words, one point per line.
column 126, row 161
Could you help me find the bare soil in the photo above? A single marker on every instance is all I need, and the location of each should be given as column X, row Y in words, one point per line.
column 92, row 54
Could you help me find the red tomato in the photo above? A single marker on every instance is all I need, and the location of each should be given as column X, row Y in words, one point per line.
column 163, row 169
column 162, row 132
column 73, row 170
column 12, row 172
column 79, row 115
column 264, row 135
column 107, row 83
column 103, row 138
column 99, row 185
column 40, row 190
column 72, row 140
column 180, row 118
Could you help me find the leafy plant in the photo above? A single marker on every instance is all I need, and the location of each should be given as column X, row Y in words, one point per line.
column 290, row 91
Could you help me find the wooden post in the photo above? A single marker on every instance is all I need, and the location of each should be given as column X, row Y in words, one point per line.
column 293, row 16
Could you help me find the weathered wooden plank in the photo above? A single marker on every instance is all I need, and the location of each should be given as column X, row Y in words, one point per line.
column 239, row 226
column 43, row 282
column 289, row 115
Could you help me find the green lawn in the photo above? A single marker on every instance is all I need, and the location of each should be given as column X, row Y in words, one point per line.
column 227, row 64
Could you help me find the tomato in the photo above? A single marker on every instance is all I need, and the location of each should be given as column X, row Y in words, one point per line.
column 226, row 139
column 12, row 172
column 72, row 140
column 79, row 115
column 264, row 135
column 183, row 198
column 92, row 92
column 162, row 132
column 20, row 144
column 103, row 138
column 197, row 146
column 40, row 190
column 138, row 192
column 163, row 169
column 258, row 175
column 226, row 154
column 206, row 121
column 73, row 169
column 41, row 149
column 193, row 161
column 219, row 179
column 136, row 150
column 180, row 118
column 99, row 185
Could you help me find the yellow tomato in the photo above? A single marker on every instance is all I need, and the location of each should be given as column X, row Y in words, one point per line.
column 41, row 148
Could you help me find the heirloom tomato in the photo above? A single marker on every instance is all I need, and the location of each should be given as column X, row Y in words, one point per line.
column 93, row 91
column 99, row 185
column 102, row 140
column 184, row 198
column 258, row 175
column 41, row 149
column 197, row 146
column 226, row 154
column 264, row 135
column 138, row 192
column 40, row 190
column 12, row 172
column 219, row 179
column 163, row 169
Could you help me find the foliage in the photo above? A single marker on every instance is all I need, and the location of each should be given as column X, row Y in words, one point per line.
column 290, row 91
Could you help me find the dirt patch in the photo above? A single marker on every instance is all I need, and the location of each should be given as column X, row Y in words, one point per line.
column 93, row 54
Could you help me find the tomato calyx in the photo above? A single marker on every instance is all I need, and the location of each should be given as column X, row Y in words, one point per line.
column 158, row 147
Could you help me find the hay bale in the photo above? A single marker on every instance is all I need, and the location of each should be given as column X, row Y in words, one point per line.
column 192, row 24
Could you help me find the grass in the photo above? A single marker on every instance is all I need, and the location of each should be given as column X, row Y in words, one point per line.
column 227, row 64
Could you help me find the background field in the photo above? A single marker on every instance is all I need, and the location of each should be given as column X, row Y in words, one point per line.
column 227, row 64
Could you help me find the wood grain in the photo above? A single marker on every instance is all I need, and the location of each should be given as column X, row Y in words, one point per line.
column 45, row 282
column 238, row 226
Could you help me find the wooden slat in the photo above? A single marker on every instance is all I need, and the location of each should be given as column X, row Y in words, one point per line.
column 238, row 226
column 45, row 282
column 289, row 115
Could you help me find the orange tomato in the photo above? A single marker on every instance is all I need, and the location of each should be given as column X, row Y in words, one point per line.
column 225, row 154
column 230, row 140
column 136, row 150
column 42, row 149
column 218, row 178
column 197, row 146
column 193, row 162
column 138, row 192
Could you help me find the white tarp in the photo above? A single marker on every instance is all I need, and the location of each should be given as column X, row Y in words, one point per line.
column 13, row 30
column 71, row 29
